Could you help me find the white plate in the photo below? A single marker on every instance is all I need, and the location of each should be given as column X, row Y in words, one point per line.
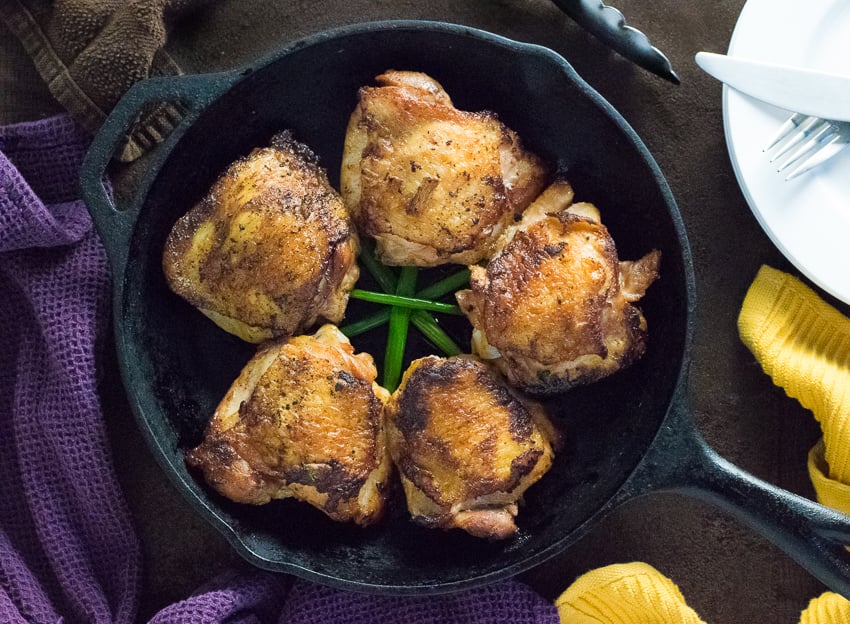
column 807, row 218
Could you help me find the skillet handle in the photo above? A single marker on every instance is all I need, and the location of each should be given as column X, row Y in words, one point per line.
column 680, row 460
column 114, row 223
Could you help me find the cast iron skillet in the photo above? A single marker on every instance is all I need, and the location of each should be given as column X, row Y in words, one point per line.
column 626, row 436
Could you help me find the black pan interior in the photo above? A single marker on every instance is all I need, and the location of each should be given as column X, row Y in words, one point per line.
column 178, row 365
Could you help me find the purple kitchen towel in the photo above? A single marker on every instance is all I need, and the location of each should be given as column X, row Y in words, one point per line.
column 503, row 603
column 247, row 598
column 67, row 546
column 261, row 598
column 68, row 551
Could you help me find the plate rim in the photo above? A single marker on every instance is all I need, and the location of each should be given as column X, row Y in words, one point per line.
column 730, row 110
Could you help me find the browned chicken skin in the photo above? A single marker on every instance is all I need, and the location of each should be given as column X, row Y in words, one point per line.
column 432, row 184
column 270, row 250
column 304, row 420
column 466, row 446
column 553, row 309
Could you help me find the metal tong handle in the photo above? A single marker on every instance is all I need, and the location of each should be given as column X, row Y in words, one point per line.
column 609, row 26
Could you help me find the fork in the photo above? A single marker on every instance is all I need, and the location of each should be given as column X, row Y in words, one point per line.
column 804, row 142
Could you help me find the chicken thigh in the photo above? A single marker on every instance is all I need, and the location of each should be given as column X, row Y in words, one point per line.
column 466, row 446
column 270, row 250
column 304, row 419
column 553, row 309
column 432, row 184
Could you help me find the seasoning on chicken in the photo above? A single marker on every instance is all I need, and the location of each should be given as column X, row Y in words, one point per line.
column 270, row 250
column 432, row 184
column 553, row 309
column 466, row 445
column 304, row 419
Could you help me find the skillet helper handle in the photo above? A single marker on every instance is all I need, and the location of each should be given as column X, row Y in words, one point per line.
column 681, row 461
column 194, row 93
column 609, row 26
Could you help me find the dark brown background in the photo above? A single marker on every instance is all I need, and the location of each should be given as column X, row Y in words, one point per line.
column 728, row 574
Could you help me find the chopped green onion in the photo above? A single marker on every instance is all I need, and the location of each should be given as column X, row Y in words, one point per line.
column 445, row 286
column 382, row 274
column 397, row 334
column 407, row 306
column 404, row 302
column 363, row 325
column 426, row 324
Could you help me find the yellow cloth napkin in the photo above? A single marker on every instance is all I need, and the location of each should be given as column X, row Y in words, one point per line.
column 804, row 345
column 625, row 593
column 828, row 608
column 637, row 593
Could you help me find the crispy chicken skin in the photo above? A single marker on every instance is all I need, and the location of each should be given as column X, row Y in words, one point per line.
column 432, row 184
column 553, row 309
column 466, row 445
column 304, row 419
column 269, row 250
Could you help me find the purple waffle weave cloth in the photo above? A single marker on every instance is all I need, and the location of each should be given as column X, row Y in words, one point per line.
column 68, row 550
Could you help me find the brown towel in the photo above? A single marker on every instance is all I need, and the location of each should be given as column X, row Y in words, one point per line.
column 91, row 51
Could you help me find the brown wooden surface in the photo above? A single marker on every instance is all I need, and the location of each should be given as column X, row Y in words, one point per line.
column 727, row 573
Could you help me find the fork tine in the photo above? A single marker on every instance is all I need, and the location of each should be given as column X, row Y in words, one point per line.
column 804, row 142
column 790, row 124
column 824, row 133
column 829, row 149
column 810, row 126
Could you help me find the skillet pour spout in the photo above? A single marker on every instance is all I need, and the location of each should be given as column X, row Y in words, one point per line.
column 628, row 435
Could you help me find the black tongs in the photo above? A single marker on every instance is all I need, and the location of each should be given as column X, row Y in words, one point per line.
column 609, row 26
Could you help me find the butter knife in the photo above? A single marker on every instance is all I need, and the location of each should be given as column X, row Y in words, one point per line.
column 806, row 91
column 609, row 26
